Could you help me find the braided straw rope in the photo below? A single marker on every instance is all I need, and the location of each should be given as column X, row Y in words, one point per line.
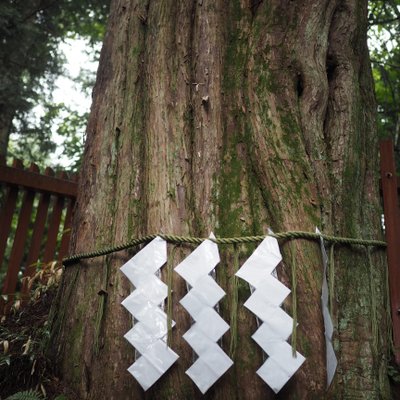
column 234, row 240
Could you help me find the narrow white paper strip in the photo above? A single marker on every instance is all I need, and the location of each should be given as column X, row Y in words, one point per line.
column 149, row 332
column 331, row 360
column 209, row 326
column 265, row 302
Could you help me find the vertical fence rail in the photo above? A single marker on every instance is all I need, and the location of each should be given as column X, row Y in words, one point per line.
column 37, row 235
column 390, row 187
column 54, row 227
column 66, row 231
column 7, row 212
column 38, row 224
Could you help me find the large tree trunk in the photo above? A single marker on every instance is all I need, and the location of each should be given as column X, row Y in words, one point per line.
column 230, row 116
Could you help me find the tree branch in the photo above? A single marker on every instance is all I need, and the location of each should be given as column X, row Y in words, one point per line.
column 383, row 21
column 395, row 66
column 34, row 12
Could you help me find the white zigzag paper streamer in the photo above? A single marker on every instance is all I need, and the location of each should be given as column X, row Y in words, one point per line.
column 331, row 360
column 149, row 333
column 265, row 303
column 209, row 326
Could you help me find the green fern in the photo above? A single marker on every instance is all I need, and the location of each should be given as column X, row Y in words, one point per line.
column 26, row 395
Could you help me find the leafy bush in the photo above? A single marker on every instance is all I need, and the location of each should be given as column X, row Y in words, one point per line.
column 26, row 395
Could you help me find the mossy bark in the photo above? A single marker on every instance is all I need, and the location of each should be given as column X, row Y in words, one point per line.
column 229, row 117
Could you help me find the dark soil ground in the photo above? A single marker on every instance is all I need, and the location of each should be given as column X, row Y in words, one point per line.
column 24, row 363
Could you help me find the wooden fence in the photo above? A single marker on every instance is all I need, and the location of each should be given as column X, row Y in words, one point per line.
column 390, row 185
column 35, row 220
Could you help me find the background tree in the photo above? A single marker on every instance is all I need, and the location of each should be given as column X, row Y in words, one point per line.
column 30, row 35
column 230, row 117
column 384, row 31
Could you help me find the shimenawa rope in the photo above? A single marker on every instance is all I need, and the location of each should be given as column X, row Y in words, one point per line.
column 234, row 240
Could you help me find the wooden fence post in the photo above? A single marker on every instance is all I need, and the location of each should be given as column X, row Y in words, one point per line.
column 389, row 182
column 7, row 214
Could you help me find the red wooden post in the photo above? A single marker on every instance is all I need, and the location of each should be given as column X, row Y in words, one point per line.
column 392, row 231
column 50, row 248
column 7, row 213
column 67, row 225
column 67, row 231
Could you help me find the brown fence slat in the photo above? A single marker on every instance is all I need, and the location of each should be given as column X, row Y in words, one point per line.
column 38, row 182
column 37, row 237
column 392, row 231
column 66, row 231
column 50, row 248
column 36, row 242
column 7, row 214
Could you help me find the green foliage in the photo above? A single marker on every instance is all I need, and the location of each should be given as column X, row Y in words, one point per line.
column 384, row 33
column 29, row 57
column 35, row 141
column 30, row 61
column 26, row 395
column 72, row 129
column 394, row 374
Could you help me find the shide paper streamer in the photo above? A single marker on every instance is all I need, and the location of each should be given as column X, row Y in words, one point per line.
column 331, row 360
column 148, row 335
column 208, row 328
column 265, row 303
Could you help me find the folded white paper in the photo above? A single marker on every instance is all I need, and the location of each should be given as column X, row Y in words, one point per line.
column 331, row 360
column 199, row 302
column 261, row 263
column 149, row 332
column 280, row 366
column 199, row 263
column 265, row 301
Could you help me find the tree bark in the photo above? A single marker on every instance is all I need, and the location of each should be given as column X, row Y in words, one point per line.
column 230, row 117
